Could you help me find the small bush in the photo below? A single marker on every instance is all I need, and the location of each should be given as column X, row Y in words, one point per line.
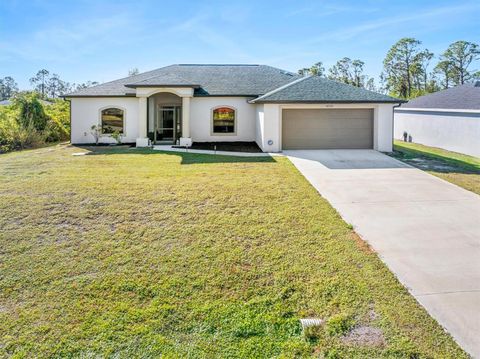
column 31, row 112
column 13, row 136
column 29, row 123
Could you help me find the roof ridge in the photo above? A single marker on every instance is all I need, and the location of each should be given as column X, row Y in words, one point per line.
column 158, row 75
column 218, row 65
column 280, row 88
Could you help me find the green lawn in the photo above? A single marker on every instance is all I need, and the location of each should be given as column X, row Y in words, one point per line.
column 460, row 169
column 134, row 253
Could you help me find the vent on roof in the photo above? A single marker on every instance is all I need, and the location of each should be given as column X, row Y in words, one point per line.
column 477, row 84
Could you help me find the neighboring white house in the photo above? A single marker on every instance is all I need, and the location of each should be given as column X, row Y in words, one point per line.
column 448, row 119
column 276, row 109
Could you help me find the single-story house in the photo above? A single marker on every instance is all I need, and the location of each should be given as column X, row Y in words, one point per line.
column 449, row 119
column 277, row 109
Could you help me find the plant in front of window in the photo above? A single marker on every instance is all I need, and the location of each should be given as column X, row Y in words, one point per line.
column 96, row 132
column 117, row 136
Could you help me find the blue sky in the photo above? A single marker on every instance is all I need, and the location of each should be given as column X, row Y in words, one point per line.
column 101, row 40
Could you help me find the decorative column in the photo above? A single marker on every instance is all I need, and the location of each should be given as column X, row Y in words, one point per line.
column 142, row 139
column 186, row 140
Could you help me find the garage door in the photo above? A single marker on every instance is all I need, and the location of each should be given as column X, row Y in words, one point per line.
column 327, row 129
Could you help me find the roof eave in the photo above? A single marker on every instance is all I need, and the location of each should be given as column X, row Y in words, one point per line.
column 93, row 96
column 327, row 101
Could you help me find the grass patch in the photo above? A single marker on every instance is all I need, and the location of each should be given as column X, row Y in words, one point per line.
column 457, row 168
column 137, row 253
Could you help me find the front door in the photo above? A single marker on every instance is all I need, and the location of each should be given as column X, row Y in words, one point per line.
column 167, row 127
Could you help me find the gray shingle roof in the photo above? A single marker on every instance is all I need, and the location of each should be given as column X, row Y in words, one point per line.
column 219, row 80
column 465, row 97
column 319, row 89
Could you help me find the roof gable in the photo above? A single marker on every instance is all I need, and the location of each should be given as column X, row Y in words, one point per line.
column 316, row 89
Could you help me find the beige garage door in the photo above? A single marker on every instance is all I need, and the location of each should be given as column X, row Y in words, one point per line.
column 327, row 129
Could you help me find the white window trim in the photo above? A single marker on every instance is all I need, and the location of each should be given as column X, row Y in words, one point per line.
column 234, row 133
column 124, row 134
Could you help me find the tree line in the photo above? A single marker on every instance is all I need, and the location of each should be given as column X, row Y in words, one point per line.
column 47, row 85
column 29, row 120
column 408, row 71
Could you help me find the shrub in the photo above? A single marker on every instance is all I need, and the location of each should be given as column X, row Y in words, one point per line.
column 59, row 120
column 14, row 136
column 55, row 131
column 28, row 122
column 31, row 113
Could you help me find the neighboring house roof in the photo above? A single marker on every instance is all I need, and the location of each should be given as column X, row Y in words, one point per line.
column 462, row 97
column 208, row 80
column 316, row 89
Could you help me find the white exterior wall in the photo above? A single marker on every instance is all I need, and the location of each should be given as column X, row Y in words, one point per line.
column 453, row 131
column 269, row 123
column 261, row 123
column 201, row 119
column 86, row 112
column 383, row 128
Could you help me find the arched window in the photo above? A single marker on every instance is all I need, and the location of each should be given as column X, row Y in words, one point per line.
column 112, row 120
column 223, row 120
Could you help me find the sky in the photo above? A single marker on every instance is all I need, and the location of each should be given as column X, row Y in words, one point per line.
column 100, row 41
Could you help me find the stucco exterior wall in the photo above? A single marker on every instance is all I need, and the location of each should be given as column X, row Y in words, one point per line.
column 201, row 119
column 269, row 123
column 383, row 128
column 453, row 131
column 86, row 112
column 261, row 123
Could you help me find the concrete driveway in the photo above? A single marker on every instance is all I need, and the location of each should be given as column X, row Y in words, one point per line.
column 426, row 230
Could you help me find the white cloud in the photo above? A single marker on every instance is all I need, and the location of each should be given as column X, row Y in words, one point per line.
column 420, row 17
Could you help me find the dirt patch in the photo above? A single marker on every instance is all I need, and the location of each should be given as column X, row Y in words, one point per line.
column 431, row 165
column 365, row 336
column 363, row 245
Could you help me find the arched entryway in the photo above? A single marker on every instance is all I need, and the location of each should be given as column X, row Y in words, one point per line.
column 164, row 125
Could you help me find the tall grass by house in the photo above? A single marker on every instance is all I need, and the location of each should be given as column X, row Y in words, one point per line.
column 29, row 122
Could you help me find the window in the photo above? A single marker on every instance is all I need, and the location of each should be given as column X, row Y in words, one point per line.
column 112, row 120
column 223, row 120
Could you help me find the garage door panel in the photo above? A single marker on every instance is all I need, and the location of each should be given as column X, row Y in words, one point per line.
column 325, row 129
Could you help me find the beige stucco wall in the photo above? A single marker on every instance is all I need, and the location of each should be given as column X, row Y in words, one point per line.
column 269, row 123
column 85, row 113
column 201, row 119
column 453, row 130
column 261, row 123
